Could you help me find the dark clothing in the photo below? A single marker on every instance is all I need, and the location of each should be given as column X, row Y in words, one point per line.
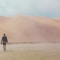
column 4, row 40
column 4, row 43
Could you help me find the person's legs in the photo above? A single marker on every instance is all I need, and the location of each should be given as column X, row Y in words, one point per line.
column 4, row 46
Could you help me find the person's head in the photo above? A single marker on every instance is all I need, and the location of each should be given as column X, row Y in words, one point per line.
column 4, row 34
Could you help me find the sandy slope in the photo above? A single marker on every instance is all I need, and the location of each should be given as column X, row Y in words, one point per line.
column 30, row 29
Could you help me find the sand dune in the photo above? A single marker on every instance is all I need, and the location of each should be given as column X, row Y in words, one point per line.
column 30, row 29
column 57, row 20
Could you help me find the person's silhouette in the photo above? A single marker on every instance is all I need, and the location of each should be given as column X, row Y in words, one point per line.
column 4, row 41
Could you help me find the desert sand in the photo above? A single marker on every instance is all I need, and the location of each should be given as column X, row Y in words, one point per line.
column 43, row 51
column 22, row 28
column 43, row 31
column 29, row 55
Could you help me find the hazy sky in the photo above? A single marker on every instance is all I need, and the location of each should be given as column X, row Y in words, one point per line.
column 49, row 8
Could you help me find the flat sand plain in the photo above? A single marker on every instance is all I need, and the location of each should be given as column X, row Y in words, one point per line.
column 41, row 51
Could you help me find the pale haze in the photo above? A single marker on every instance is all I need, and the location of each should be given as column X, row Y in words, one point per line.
column 48, row 8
